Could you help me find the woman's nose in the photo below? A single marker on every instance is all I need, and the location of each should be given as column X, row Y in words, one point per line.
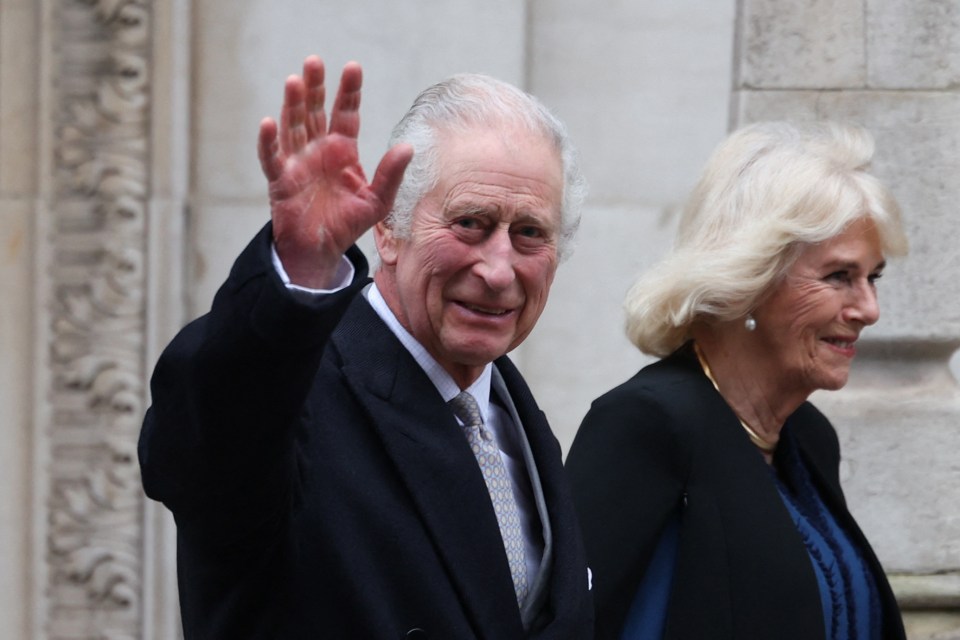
column 865, row 307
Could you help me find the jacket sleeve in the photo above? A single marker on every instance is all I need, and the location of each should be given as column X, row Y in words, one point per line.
column 216, row 444
column 628, row 468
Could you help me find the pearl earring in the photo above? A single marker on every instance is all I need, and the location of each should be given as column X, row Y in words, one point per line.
column 750, row 324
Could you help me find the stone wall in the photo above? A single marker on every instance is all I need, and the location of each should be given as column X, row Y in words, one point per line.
column 129, row 181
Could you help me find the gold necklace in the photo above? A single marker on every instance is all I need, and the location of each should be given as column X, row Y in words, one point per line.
column 755, row 438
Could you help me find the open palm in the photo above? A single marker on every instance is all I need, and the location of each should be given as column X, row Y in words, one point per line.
column 320, row 199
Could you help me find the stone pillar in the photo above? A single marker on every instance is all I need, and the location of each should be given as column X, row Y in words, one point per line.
column 90, row 220
column 892, row 66
column 18, row 117
column 92, row 171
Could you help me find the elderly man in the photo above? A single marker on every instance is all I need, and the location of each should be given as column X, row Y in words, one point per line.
column 348, row 459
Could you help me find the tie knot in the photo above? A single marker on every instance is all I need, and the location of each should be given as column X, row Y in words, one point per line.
column 466, row 408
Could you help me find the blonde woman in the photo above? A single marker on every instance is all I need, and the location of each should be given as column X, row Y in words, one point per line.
column 707, row 484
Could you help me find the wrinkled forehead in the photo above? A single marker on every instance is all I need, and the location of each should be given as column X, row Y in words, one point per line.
column 513, row 129
column 514, row 155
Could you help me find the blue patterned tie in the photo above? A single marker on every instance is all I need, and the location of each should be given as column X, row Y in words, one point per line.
column 485, row 448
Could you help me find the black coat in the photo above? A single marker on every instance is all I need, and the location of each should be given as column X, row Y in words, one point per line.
column 322, row 488
column 666, row 443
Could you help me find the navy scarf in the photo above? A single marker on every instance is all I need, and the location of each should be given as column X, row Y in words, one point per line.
column 848, row 591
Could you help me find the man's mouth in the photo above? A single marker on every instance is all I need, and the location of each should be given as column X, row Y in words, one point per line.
column 489, row 311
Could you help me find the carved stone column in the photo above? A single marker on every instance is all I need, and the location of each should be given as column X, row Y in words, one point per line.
column 100, row 193
column 894, row 67
column 91, row 244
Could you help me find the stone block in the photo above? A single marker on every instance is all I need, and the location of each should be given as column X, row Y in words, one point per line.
column 16, row 394
column 910, row 518
column 913, row 45
column 243, row 57
column 18, row 98
column 889, row 429
column 931, row 625
column 218, row 232
column 642, row 86
column 801, row 45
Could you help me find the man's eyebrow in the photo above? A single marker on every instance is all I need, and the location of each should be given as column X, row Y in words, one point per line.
column 470, row 209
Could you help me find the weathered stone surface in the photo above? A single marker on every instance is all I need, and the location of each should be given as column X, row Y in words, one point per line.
column 16, row 292
column 643, row 87
column 243, row 57
column 886, row 435
column 815, row 44
column 18, row 107
column 914, row 45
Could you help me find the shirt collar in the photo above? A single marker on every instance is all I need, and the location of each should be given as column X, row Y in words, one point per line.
column 480, row 389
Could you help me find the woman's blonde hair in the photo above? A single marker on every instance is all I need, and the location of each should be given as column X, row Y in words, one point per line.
column 769, row 189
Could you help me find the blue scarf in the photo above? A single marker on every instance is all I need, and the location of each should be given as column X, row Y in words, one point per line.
column 848, row 591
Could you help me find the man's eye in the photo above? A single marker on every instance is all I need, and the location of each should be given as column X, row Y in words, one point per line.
column 529, row 232
column 468, row 223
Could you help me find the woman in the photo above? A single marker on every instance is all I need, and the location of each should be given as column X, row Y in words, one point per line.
column 707, row 485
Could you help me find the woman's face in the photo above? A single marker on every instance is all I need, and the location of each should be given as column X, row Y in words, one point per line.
column 813, row 318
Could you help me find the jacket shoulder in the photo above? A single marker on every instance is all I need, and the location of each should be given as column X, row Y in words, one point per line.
column 665, row 396
column 817, row 442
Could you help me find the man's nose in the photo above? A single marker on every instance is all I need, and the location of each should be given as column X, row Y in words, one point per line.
column 495, row 265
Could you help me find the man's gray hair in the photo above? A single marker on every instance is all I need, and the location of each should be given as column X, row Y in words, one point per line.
column 466, row 101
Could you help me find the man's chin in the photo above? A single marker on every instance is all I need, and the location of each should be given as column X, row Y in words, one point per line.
column 478, row 354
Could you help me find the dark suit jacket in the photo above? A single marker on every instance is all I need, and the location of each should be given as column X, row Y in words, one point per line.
column 666, row 443
column 321, row 487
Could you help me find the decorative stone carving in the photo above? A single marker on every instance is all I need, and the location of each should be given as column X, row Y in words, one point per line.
column 94, row 284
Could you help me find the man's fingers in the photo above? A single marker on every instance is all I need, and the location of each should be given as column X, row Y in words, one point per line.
column 293, row 132
column 267, row 149
column 345, row 114
column 316, row 94
column 389, row 174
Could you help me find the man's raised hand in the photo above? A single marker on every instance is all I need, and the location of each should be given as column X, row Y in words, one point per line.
column 320, row 200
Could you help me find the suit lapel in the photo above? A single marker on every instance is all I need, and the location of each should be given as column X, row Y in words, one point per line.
column 539, row 587
column 564, row 571
column 433, row 460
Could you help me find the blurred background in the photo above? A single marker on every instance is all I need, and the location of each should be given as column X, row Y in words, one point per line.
column 129, row 182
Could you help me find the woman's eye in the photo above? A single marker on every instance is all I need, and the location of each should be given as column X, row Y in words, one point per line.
column 839, row 276
column 873, row 277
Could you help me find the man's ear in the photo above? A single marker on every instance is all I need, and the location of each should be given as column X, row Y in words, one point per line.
column 386, row 243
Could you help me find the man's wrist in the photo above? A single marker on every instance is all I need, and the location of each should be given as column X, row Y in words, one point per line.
column 340, row 280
